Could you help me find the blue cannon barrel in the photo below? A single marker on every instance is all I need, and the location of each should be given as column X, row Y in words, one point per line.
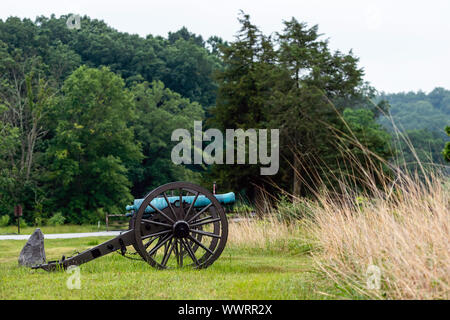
column 202, row 201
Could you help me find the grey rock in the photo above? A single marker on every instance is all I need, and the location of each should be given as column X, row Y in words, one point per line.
column 33, row 252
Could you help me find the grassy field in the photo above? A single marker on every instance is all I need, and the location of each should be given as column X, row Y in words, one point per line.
column 278, row 270
column 67, row 228
column 402, row 234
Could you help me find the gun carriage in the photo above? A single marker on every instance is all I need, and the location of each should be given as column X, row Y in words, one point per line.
column 175, row 225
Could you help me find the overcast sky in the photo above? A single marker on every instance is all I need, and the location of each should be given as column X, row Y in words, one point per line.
column 403, row 45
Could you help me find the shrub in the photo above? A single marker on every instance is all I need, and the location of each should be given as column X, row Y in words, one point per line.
column 57, row 219
column 38, row 222
column 23, row 223
column 242, row 208
column 289, row 211
column 4, row 221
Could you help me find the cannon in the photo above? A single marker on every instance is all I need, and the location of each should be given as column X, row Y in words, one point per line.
column 175, row 225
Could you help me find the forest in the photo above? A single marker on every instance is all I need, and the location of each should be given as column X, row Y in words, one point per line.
column 86, row 115
column 422, row 118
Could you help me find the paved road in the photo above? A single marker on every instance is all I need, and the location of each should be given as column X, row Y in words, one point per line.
column 63, row 235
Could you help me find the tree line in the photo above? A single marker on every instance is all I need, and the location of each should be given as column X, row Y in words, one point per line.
column 417, row 120
column 86, row 115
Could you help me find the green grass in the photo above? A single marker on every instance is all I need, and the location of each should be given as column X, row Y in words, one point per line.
column 240, row 273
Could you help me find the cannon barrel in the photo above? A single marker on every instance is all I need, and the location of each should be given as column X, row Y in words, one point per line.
column 202, row 201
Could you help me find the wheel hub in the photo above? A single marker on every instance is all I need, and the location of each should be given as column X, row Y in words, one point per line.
column 181, row 229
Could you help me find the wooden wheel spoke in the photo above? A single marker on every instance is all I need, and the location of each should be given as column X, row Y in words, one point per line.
column 175, row 249
column 200, row 244
column 202, row 219
column 205, row 222
column 170, row 206
column 200, row 212
column 162, row 213
column 156, row 223
column 155, row 234
column 181, row 256
column 150, row 242
column 178, row 254
column 159, row 245
column 209, row 234
column 167, row 253
column 191, row 206
column 181, row 203
column 189, row 251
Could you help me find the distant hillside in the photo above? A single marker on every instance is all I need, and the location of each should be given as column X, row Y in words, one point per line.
column 182, row 60
column 423, row 118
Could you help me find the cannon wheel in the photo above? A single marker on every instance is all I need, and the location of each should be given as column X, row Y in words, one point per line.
column 194, row 245
column 186, row 235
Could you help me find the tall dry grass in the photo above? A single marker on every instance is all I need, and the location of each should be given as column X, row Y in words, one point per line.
column 261, row 233
column 402, row 229
column 405, row 234
column 399, row 227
